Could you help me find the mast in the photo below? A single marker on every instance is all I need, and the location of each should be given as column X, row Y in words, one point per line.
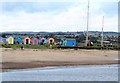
column 87, row 24
column 102, row 31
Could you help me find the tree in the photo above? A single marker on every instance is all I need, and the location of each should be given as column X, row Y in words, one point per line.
column 4, row 35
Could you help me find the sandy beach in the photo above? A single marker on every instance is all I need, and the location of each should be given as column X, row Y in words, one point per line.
column 36, row 58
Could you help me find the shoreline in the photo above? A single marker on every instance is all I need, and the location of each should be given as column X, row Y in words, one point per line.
column 31, row 58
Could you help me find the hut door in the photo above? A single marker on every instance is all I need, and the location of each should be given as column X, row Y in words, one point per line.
column 51, row 42
column 19, row 40
column 43, row 41
column 27, row 41
column 35, row 42
column 10, row 40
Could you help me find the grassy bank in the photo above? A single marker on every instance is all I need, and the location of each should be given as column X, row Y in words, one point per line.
column 17, row 46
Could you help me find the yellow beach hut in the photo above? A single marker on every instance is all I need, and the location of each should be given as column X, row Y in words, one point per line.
column 10, row 40
column 51, row 41
column 27, row 40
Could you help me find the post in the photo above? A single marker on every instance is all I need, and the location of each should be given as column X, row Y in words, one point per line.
column 87, row 24
column 102, row 32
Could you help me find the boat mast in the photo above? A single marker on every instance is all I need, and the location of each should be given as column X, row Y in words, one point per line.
column 87, row 24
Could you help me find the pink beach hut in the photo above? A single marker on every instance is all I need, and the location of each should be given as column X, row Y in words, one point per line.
column 34, row 41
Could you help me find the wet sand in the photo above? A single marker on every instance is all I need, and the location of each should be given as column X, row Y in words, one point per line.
column 36, row 58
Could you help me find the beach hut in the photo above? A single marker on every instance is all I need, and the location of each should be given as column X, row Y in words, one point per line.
column 34, row 41
column 18, row 40
column 10, row 40
column 0, row 39
column 43, row 41
column 39, row 40
column 62, row 42
column 68, row 42
column 27, row 40
column 51, row 41
column 3, row 40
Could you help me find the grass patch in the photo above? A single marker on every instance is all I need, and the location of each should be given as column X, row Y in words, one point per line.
column 47, row 46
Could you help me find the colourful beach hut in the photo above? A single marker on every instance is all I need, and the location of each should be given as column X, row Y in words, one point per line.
column 3, row 39
column 10, row 40
column 63, row 42
column 51, row 41
column 43, row 41
column 34, row 41
column 0, row 39
column 27, row 40
column 68, row 42
column 18, row 40
column 39, row 41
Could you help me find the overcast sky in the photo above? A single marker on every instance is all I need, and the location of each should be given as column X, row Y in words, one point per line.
column 53, row 15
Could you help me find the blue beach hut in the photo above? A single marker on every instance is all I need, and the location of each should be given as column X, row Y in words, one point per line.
column 43, row 41
column 0, row 39
column 68, row 42
column 3, row 39
column 18, row 40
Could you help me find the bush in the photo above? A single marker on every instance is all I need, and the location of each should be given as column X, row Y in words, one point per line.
column 6, row 46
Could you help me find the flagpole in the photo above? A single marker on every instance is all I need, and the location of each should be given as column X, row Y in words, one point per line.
column 87, row 24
